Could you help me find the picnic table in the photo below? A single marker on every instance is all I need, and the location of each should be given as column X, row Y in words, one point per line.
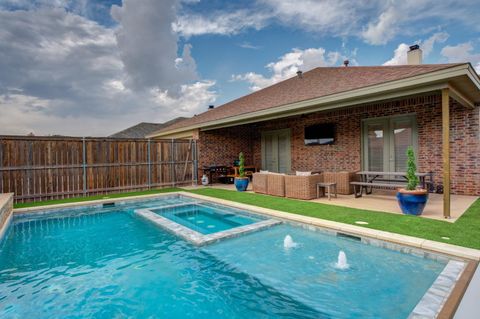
column 386, row 180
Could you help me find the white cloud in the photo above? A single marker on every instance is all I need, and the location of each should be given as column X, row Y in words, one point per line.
column 463, row 52
column 337, row 17
column 148, row 47
column 329, row 16
column 400, row 53
column 384, row 29
column 248, row 45
column 193, row 97
column 77, row 6
column 409, row 17
column 428, row 44
column 61, row 73
column 376, row 22
column 287, row 66
column 224, row 23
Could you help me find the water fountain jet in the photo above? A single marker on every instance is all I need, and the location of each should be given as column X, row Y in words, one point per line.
column 342, row 262
column 288, row 242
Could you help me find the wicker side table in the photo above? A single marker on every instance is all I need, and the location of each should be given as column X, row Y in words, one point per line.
column 327, row 188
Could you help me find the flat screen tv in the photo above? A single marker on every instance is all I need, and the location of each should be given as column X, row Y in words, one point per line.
column 320, row 134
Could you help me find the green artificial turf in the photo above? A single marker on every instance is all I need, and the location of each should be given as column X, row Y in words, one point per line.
column 464, row 232
column 88, row 198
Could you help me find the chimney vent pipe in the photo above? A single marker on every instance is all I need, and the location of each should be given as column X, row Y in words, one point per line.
column 414, row 55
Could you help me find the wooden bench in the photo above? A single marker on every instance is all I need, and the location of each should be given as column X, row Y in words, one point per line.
column 366, row 185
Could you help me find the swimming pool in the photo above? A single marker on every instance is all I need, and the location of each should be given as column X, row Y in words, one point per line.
column 109, row 262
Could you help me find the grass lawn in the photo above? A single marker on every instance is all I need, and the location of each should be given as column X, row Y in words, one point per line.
column 464, row 232
column 102, row 196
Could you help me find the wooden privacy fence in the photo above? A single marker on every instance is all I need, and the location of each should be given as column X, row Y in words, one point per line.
column 39, row 168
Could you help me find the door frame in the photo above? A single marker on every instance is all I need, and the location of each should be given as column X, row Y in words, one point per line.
column 287, row 131
column 389, row 120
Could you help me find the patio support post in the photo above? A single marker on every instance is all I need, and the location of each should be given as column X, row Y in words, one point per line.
column 446, row 151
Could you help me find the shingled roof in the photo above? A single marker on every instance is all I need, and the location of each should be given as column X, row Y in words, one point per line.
column 142, row 129
column 319, row 82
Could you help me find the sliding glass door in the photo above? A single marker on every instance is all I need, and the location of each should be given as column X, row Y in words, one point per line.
column 385, row 142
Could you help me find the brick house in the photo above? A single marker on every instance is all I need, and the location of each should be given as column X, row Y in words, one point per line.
column 376, row 113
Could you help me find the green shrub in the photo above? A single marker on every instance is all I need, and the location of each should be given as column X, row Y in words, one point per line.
column 241, row 164
column 412, row 178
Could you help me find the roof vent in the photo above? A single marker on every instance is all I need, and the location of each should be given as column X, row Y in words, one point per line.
column 346, row 62
column 211, row 107
column 414, row 56
column 300, row 74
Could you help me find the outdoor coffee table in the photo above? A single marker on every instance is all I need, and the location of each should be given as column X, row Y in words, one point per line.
column 327, row 188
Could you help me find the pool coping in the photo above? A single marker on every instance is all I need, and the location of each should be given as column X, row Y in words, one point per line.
column 444, row 308
column 6, row 213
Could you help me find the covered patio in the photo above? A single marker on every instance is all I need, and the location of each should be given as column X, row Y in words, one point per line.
column 362, row 126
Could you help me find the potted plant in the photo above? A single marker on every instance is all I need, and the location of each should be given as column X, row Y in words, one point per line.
column 412, row 199
column 241, row 181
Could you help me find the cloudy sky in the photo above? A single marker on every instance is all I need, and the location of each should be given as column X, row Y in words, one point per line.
column 93, row 67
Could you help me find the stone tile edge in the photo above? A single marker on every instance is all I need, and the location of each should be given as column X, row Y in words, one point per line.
column 434, row 299
column 6, row 208
column 5, row 226
column 90, row 202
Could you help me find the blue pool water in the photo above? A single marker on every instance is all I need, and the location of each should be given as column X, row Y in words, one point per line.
column 206, row 218
column 109, row 263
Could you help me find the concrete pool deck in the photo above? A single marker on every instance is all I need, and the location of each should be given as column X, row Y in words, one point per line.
column 385, row 201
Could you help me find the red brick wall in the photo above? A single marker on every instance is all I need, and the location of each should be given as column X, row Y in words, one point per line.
column 223, row 145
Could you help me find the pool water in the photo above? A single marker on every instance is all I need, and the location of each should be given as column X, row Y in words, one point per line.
column 110, row 263
column 379, row 283
column 205, row 218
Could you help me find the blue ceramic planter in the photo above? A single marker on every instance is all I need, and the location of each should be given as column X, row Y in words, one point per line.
column 412, row 204
column 241, row 184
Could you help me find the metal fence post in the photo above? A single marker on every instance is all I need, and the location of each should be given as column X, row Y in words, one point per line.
column 172, row 158
column 84, row 167
column 149, row 165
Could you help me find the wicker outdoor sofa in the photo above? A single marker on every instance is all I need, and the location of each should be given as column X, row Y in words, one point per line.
column 300, row 187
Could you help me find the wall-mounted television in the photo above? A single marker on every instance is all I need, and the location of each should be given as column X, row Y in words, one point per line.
column 320, row 134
